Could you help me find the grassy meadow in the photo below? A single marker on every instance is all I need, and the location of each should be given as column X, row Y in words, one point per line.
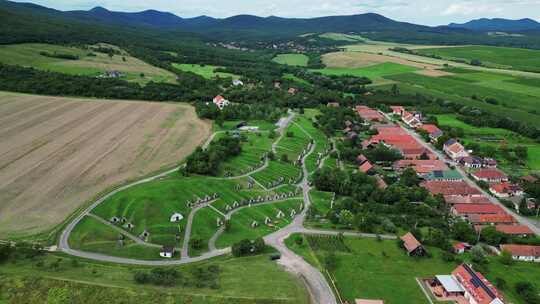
column 135, row 70
column 292, row 59
column 342, row 37
column 244, row 280
column 206, row 71
column 373, row 269
column 491, row 56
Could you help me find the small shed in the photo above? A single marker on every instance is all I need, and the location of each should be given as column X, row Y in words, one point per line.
column 167, row 252
column 176, row 217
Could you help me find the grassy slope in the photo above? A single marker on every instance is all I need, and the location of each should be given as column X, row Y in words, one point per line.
column 292, row 59
column 380, row 270
column 241, row 221
column 252, row 151
column 206, row 71
column 475, row 134
column 519, row 59
column 91, row 235
column 28, row 55
column 242, row 281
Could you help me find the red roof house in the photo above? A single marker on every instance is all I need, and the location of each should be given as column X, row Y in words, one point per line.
column 365, row 167
column 523, row 252
column 459, row 188
column 490, row 219
column 455, row 199
column 477, row 288
column 505, row 189
column 397, row 110
column 468, row 209
column 433, row 131
column 516, row 230
column 369, row 114
column 490, row 175
column 454, row 149
column 421, row 166
column 412, row 245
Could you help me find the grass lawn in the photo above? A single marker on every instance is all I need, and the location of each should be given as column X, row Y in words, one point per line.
column 292, row 59
column 380, row 270
column 479, row 135
column 320, row 202
column 241, row 280
column 28, row 55
column 250, row 158
column 206, row 71
column 373, row 72
column 294, row 145
column 204, row 227
column 241, row 221
column 91, row 235
column 498, row 57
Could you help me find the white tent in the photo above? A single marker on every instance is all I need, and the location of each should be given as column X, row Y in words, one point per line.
column 177, row 217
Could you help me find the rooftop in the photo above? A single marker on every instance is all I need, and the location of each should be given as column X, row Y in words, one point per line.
column 522, row 250
column 490, row 174
column 450, row 188
column 443, row 175
column 478, row 209
column 514, row 229
column 410, row 242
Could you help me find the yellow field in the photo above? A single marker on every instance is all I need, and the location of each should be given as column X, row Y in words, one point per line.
column 57, row 153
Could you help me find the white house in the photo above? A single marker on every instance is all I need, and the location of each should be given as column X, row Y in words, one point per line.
column 177, row 217
column 167, row 252
column 524, row 253
column 454, row 149
column 220, row 102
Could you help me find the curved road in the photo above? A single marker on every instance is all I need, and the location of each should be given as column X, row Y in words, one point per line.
column 318, row 287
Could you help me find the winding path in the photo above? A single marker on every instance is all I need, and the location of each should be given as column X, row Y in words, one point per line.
column 319, row 289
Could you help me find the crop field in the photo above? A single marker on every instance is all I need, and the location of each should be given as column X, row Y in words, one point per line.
column 57, row 153
column 490, row 56
column 496, row 138
column 206, row 71
column 292, row 59
column 252, row 154
column 374, row 72
column 381, row 270
column 241, row 221
column 515, row 97
column 135, row 70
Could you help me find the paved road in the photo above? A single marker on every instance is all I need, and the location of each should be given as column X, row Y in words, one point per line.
column 522, row 220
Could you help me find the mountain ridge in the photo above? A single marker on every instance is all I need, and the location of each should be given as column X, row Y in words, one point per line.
column 499, row 24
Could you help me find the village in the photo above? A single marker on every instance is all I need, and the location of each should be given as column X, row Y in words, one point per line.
column 471, row 186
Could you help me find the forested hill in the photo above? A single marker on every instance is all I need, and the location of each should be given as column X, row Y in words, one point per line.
column 25, row 22
column 498, row 24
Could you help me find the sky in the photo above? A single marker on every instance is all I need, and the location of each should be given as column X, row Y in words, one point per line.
column 428, row 12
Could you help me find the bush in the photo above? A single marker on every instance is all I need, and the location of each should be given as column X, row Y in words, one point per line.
column 290, row 134
column 247, row 247
column 159, row 277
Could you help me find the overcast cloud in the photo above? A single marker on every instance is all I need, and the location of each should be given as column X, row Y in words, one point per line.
column 429, row 12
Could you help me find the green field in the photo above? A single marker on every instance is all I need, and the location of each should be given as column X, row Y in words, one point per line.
column 490, row 56
column 92, row 235
column 28, row 55
column 292, row 59
column 206, row 71
column 252, row 154
column 516, row 97
column 241, row 221
column 204, row 227
column 241, row 280
column 373, row 72
column 322, row 144
column 496, row 138
column 374, row 269
column 342, row 37
column 289, row 76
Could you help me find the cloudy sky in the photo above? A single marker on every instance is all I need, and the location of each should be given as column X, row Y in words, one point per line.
column 429, row 12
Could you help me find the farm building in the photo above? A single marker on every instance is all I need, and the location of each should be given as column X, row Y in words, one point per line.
column 465, row 285
column 465, row 210
column 515, row 230
column 166, row 252
column 369, row 114
column 525, row 253
column 454, row 149
column 491, row 219
column 421, row 166
column 459, row 188
column 456, row 199
column 446, row 175
column 412, row 245
column 490, row 176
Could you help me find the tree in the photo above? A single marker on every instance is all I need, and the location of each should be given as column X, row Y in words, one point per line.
column 521, row 152
column 478, row 255
column 330, row 261
column 506, row 258
column 395, row 90
column 5, row 252
column 346, row 217
column 409, row 178
column 284, row 158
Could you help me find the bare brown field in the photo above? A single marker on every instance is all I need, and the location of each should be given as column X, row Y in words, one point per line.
column 360, row 60
column 57, row 153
